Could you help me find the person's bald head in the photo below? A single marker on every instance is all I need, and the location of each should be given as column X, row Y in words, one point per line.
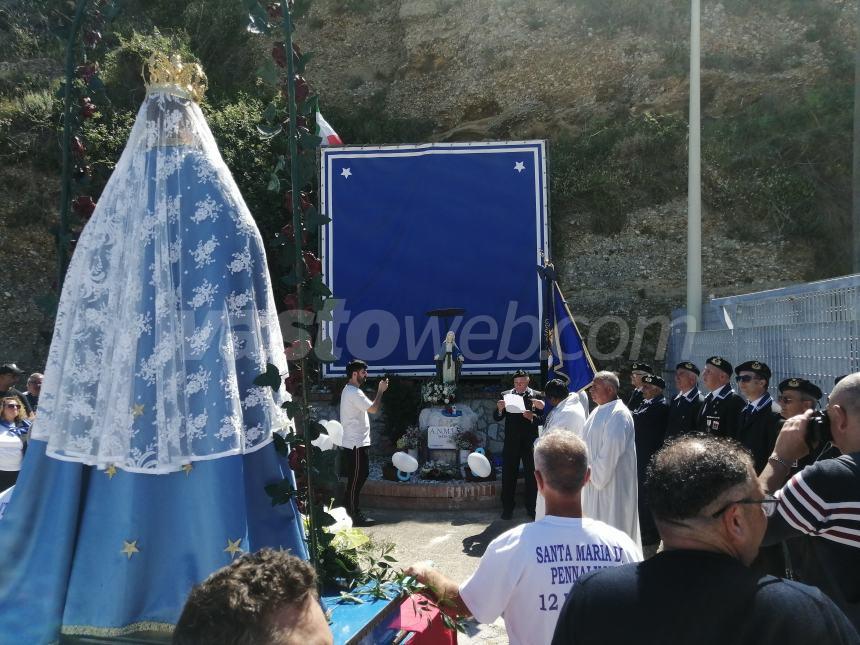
column 844, row 411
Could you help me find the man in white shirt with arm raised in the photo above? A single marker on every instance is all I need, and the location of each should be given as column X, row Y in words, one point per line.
column 527, row 572
column 354, row 408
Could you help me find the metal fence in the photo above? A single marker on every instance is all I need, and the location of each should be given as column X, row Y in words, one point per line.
column 809, row 330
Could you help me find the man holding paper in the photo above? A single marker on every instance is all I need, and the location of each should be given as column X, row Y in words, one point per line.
column 518, row 409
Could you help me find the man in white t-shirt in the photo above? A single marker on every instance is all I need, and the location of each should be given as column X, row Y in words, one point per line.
column 354, row 409
column 527, row 572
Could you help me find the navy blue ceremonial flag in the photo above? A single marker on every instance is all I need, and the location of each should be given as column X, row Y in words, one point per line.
column 566, row 355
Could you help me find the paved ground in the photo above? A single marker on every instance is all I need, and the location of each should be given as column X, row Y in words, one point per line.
column 453, row 540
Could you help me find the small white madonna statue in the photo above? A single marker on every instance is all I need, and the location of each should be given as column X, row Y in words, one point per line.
column 449, row 361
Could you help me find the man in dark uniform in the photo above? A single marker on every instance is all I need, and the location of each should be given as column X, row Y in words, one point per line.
column 521, row 430
column 637, row 371
column 758, row 422
column 684, row 409
column 758, row 428
column 9, row 374
column 722, row 407
column 649, row 422
column 796, row 396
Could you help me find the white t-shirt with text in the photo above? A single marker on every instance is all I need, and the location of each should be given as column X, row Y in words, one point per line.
column 527, row 572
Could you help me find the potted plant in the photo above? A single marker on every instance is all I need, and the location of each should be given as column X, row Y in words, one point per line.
column 466, row 441
column 438, row 471
column 410, row 441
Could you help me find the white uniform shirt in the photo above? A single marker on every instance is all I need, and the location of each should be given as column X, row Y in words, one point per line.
column 354, row 418
column 527, row 572
column 611, row 495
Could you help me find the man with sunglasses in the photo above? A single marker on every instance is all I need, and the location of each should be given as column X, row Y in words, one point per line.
column 822, row 501
column 34, row 389
column 758, row 422
column 711, row 514
column 9, row 374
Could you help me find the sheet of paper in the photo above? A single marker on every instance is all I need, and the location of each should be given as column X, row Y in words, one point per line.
column 514, row 403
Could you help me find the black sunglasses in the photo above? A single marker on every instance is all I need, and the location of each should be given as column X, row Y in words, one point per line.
column 746, row 378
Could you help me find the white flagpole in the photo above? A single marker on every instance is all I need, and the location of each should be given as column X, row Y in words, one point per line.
column 694, row 186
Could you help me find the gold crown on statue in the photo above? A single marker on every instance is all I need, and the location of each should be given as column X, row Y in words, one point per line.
column 170, row 74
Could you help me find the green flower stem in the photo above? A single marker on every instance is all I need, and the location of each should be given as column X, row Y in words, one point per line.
column 295, row 183
column 63, row 234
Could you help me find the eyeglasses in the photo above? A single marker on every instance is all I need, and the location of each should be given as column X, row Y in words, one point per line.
column 746, row 378
column 785, row 399
column 11, row 405
column 768, row 504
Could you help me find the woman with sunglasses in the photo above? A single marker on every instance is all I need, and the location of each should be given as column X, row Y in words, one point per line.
column 14, row 429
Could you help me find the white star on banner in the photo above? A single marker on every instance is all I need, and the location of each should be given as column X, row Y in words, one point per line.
column 346, row 172
column 519, row 166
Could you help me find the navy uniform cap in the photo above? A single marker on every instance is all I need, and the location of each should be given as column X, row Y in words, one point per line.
column 754, row 366
column 720, row 363
column 520, row 373
column 653, row 379
column 801, row 385
column 641, row 367
column 687, row 365
column 10, row 368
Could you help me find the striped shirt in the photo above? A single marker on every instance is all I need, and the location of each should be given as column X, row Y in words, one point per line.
column 823, row 502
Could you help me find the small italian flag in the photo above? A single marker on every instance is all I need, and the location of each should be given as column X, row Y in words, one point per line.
column 324, row 130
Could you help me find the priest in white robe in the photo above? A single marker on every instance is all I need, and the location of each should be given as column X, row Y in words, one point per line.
column 567, row 415
column 611, row 495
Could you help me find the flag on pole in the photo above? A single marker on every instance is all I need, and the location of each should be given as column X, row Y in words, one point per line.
column 324, row 130
column 566, row 354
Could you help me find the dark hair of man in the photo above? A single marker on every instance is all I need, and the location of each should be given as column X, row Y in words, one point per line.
column 236, row 604
column 562, row 459
column 354, row 365
column 691, row 472
column 555, row 389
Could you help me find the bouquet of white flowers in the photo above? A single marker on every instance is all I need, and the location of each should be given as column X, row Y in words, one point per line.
column 439, row 471
column 437, row 393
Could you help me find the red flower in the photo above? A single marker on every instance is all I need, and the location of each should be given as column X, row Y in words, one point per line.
column 87, row 71
column 303, row 90
column 289, row 234
column 298, row 349
column 304, row 201
column 88, row 108
column 279, row 54
column 83, row 205
column 296, row 457
column 312, row 264
column 275, row 11
column 92, row 38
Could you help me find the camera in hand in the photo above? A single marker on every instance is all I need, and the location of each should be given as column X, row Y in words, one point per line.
column 818, row 429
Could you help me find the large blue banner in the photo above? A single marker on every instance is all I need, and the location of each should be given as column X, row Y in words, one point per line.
column 436, row 226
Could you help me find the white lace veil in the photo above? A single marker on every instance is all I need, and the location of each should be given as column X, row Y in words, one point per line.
column 167, row 313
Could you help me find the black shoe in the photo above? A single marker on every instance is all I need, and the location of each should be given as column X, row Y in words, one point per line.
column 360, row 519
column 507, row 515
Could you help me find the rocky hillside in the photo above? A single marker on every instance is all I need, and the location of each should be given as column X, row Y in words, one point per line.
column 604, row 82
